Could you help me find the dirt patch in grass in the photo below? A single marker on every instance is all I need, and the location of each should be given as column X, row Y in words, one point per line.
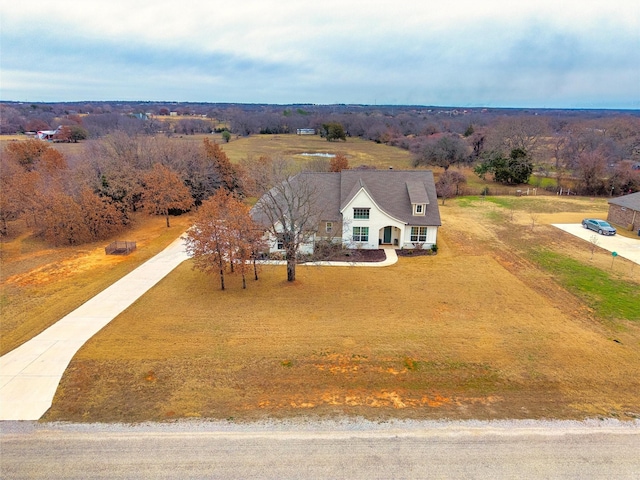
column 478, row 331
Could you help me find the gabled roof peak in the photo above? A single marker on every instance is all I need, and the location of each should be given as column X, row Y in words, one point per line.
column 357, row 186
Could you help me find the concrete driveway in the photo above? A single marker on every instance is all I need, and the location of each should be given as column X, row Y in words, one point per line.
column 628, row 248
column 29, row 375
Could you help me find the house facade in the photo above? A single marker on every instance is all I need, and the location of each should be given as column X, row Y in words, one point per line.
column 370, row 209
column 625, row 211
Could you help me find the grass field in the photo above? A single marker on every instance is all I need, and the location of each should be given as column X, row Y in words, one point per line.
column 358, row 151
column 482, row 330
column 512, row 319
column 40, row 284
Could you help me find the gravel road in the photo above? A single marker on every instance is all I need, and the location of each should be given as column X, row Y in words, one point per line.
column 328, row 449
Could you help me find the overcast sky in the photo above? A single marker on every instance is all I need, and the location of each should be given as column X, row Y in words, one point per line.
column 494, row 53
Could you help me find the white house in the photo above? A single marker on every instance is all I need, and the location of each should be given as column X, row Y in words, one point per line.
column 367, row 209
column 47, row 134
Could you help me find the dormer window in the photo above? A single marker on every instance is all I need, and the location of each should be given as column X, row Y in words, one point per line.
column 418, row 197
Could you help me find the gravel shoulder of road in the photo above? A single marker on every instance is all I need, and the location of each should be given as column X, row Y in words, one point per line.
column 345, row 426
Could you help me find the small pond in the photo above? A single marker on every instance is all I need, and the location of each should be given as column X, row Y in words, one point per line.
column 326, row 155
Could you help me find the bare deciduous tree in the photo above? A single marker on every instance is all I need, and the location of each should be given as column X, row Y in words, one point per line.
column 289, row 209
column 442, row 152
column 522, row 132
column 448, row 184
column 591, row 170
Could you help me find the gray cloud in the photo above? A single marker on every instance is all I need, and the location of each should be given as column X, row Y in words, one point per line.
column 488, row 62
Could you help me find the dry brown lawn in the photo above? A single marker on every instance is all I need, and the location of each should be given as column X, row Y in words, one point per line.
column 477, row 331
column 40, row 284
column 358, row 151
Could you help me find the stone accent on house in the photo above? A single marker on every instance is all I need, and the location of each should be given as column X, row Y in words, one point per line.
column 624, row 212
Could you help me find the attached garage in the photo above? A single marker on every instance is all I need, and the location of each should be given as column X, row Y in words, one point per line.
column 625, row 211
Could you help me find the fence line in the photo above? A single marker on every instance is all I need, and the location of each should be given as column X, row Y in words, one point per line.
column 508, row 191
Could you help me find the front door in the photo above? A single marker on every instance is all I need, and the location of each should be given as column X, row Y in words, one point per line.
column 387, row 235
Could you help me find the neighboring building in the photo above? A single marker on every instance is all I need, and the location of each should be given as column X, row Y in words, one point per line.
column 306, row 131
column 368, row 209
column 47, row 134
column 625, row 211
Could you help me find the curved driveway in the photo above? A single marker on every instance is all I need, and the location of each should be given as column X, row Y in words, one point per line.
column 30, row 374
column 628, row 248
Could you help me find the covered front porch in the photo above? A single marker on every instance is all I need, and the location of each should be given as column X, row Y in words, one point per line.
column 390, row 236
column 420, row 237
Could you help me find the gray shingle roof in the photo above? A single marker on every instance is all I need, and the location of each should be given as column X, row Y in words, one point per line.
column 417, row 192
column 631, row 201
column 323, row 187
column 388, row 188
column 392, row 190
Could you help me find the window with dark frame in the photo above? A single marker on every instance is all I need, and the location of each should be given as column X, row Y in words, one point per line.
column 361, row 213
column 360, row 234
column 418, row 234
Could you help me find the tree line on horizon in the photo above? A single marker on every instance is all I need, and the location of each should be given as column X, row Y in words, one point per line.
column 595, row 149
column 126, row 163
